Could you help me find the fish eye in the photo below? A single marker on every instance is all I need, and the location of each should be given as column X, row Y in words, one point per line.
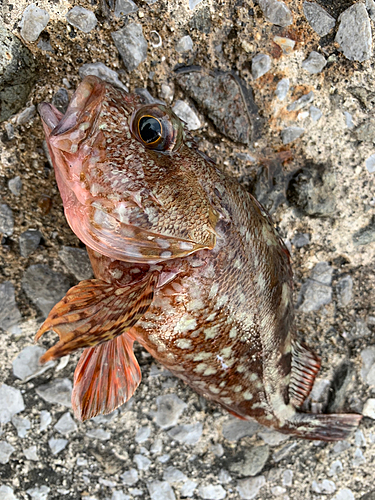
column 157, row 127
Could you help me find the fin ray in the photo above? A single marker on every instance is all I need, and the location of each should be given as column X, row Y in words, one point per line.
column 305, row 366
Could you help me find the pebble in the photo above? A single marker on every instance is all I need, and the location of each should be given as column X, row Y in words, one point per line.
column 301, row 239
column 212, row 492
column 344, row 494
column 15, row 185
column 100, row 434
column 340, row 446
column 184, row 44
column 6, row 493
column 173, row 475
column 314, row 63
column 187, row 115
column 160, row 490
column 21, row 424
column 164, row 458
column 188, row 488
column 124, row 7
column 315, row 113
column 170, row 408
column 6, row 220
column 235, row 429
column 249, row 488
column 370, row 6
column 272, row 438
column 370, row 164
column 187, row 434
column 6, row 450
column 224, row 477
column 320, row 21
column 33, row 22
column 316, row 291
column 336, row 468
column 286, row 44
column 348, row 120
column 166, row 92
column 276, row 12
column 131, row 45
column 277, row 491
column 119, row 495
column 326, row 487
column 31, row 454
column 194, row 3
column 45, row 420
column 302, row 102
column 143, row 434
column 290, row 134
column 142, row 462
column 282, row 88
column 29, row 241
column 344, row 290
column 44, row 287
column 253, row 461
column 103, row 72
column 9, row 312
column 260, row 65
column 130, row 477
column 57, row 445
column 77, row 262
column 287, row 477
column 368, row 366
column 11, row 403
column 354, row 33
column 82, row 19
column 26, row 115
column 359, row 329
column 61, row 100
column 66, row 425
column 59, row 390
column 39, row 493
column 284, row 452
column 369, row 408
column 157, row 446
column 358, row 459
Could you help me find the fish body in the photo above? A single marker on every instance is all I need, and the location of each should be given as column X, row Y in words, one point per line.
column 186, row 262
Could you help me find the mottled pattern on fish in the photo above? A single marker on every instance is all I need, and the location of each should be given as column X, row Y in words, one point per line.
column 186, row 262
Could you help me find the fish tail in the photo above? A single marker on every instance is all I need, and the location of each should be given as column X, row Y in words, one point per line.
column 322, row 427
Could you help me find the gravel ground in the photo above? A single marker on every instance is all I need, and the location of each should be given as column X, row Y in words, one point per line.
column 282, row 96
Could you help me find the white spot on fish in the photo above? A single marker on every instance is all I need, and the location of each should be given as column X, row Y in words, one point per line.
column 162, row 243
column 233, row 332
column 213, row 291
column 183, row 343
column 211, row 332
column 241, row 368
column 237, row 388
column 184, row 245
column 200, row 368
column 223, row 364
column 226, row 352
column 253, row 377
column 222, row 300
column 247, row 395
column 210, row 371
column 214, row 389
column 185, row 324
column 227, row 401
column 202, row 356
column 166, row 255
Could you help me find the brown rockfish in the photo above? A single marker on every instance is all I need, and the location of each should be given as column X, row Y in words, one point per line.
column 187, row 263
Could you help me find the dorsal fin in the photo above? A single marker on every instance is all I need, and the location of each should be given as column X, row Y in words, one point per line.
column 305, row 366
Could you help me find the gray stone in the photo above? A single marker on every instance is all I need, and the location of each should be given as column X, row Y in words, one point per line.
column 31, row 454
column 170, row 408
column 184, row 44
column 131, row 45
column 6, row 450
column 59, row 390
column 100, row 434
column 120, row 495
column 9, row 312
column 235, row 429
column 260, row 65
column 336, row 468
column 188, row 488
column 348, row 120
column 282, row 89
column 194, row 3
column 276, row 12
column 33, row 22
column 187, row 115
column 77, row 262
column 187, row 434
column 284, row 452
column 29, row 242
column 11, row 403
column 272, row 438
column 370, row 6
column 369, row 409
column 44, row 287
column 164, row 458
column 315, row 113
column 366, row 131
column 45, row 420
column 318, row 18
column 124, row 7
column 360, row 329
column 368, row 366
column 39, row 493
column 103, row 72
column 358, row 459
column 142, row 462
column 26, row 115
column 340, row 446
column 143, row 434
column 57, row 445
column 6, row 493
column 160, row 490
column 366, row 234
column 249, row 488
column 82, row 19
column 15, row 185
column 301, row 239
column 130, row 477
column 61, row 100
column 173, row 475
column 10, row 132
column 157, row 446
column 316, row 291
column 302, row 102
column 66, row 425
column 45, row 45
column 6, row 220
column 322, row 272
column 314, row 63
column 354, row 33
column 21, row 424
column 166, row 92
column 290, row 134
column 212, row 492
column 287, row 477
column 344, row 494
column 326, row 487
column 370, row 164
column 344, row 290
column 224, row 477
column 252, row 462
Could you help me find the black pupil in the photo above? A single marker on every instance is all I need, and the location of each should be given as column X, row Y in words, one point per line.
column 149, row 129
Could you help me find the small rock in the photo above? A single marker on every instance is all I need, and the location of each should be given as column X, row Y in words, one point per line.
column 272, row 438
column 21, row 424
column 29, row 241
column 6, row 493
column 166, row 92
column 66, row 425
column 301, row 239
column 286, row 44
column 370, row 164
column 61, row 100
column 39, row 493
column 6, row 450
column 314, row 63
column 82, row 19
column 370, row 6
column 368, row 366
column 224, row 477
column 194, row 3
column 287, row 477
column 11, row 403
column 235, row 429
column 322, row 273
column 131, row 44
column 336, row 468
column 290, row 134
column 184, row 44
column 77, row 262
column 302, row 102
column 348, row 120
column 57, row 445
column 170, row 408
column 6, row 220
column 276, row 12
column 58, row 391
column 45, row 45
column 187, row 489
column 212, row 492
column 130, row 477
column 103, row 72
column 253, row 461
column 173, row 475
column 284, row 452
column 160, row 490
column 157, row 446
column 100, row 434
column 33, row 22
column 282, row 89
column 164, row 458
column 360, row 329
column 260, row 65
column 26, row 115
column 143, row 434
column 358, row 459
column 142, row 462
column 354, row 33
column 187, row 115
column 119, row 495
column 365, row 132
column 217, row 449
column 31, row 454
column 341, row 446
column 369, row 408
column 249, row 488
column 45, row 420
column 315, row 113
column 316, row 291
column 318, row 18
column 9, row 312
column 326, row 487
column 344, row 290
column 15, row 185
column 344, row 494
column 278, row 491
column 187, row 434
column 124, row 7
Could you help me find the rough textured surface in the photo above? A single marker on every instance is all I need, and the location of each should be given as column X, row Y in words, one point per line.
column 317, row 185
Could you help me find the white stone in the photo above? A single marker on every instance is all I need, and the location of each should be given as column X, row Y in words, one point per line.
column 249, row 488
column 11, row 403
column 187, row 115
column 66, row 424
column 57, row 445
column 26, row 366
column 369, row 408
column 212, row 492
column 6, row 493
column 6, row 450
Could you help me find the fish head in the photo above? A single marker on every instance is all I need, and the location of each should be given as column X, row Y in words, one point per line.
column 130, row 183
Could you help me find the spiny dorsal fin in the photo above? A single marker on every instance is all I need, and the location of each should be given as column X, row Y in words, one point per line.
column 305, row 366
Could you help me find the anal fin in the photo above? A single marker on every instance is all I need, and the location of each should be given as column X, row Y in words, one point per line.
column 305, row 366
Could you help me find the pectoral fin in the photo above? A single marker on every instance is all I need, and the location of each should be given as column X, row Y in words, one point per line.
column 94, row 312
column 106, row 377
column 305, row 366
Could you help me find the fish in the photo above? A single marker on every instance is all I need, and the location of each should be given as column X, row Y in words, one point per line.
column 186, row 262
